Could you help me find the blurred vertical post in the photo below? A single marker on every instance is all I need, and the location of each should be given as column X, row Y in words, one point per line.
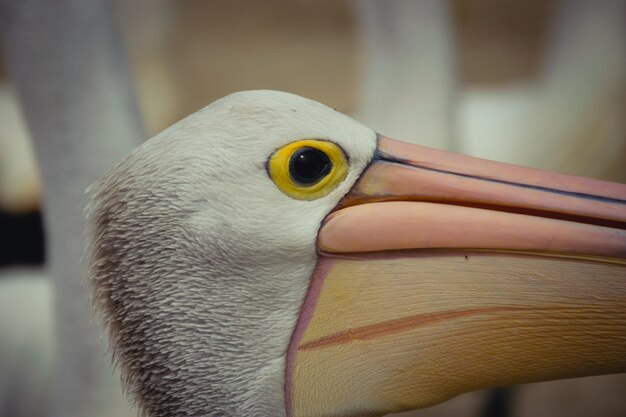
column 585, row 88
column 409, row 77
column 568, row 113
column 75, row 90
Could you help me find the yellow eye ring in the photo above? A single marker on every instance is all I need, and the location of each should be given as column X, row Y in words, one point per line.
column 308, row 169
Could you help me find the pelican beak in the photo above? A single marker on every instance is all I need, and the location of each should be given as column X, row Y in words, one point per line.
column 440, row 273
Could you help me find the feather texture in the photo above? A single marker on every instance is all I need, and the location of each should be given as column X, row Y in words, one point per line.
column 199, row 263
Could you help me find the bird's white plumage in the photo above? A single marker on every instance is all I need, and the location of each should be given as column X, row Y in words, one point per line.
column 200, row 263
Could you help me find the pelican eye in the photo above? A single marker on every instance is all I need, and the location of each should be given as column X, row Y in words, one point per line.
column 308, row 165
column 308, row 169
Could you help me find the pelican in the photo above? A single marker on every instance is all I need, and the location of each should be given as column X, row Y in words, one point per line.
column 269, row 256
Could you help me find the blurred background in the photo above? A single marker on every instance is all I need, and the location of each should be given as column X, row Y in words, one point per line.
column 540, row 83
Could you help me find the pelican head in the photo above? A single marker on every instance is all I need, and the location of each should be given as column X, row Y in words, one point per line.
column 269, row 256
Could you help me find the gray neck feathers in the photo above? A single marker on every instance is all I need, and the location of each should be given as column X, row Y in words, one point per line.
column 199, row 313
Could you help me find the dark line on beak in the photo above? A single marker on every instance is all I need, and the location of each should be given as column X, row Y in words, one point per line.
column 404, row 324
column 382, row 156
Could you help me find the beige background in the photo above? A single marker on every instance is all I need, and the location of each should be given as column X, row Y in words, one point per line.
column 185, row 54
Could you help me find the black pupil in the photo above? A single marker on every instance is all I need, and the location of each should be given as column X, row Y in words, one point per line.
column 309, row 165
